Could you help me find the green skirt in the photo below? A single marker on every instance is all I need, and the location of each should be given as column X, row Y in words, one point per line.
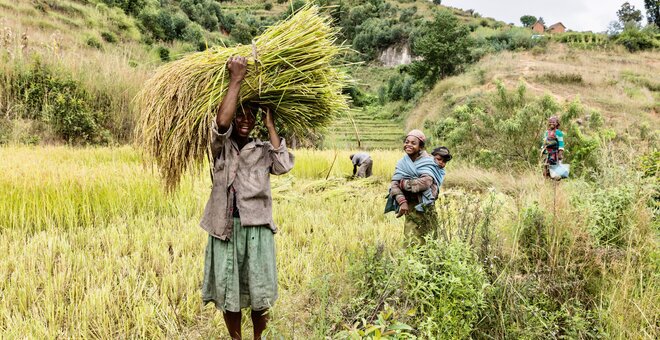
column 241, row 272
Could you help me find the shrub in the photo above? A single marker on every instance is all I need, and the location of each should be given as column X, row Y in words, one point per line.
column 193, row 33
column 73, row 119
column 539, row 50
column 609, row 220
column 534, row 234
column 93, row 42
column 442, row 282
column 511, row 39
column 401, row 87
column 163, row 23
column 375, row 34
column 245, row 28
column 206, row 13
column 268, row 6
column 635, row 39
column 132, row 7
column 75, row 115
column 372, row 25
column 358, row 97
column 446, row 284
column 163, row 53
column 109, row 37
column 649, row 164
column 584, row 40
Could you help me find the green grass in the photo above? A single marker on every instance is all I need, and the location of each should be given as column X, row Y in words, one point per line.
column 111, row 255
column 93, row 247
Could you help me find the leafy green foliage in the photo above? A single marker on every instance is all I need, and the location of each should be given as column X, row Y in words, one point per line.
column 163, row 53
column 446, row 284
column 628, row 14
column 401, row 87
column 132, row 7
column 528, row 20
column 75, row 115
column 376, row 34
column 609, row 221
column 384, row 327
column 94, row 43
column 207, row 13
column 373, row 25
column 635, row 39
column 163, row 23
column 444, row 45
column 489, row 40
column 650, row 164
column 440, row 284
column 652, row 12
column 245, row 28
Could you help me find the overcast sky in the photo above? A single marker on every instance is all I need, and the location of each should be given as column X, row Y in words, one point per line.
column 577, row 15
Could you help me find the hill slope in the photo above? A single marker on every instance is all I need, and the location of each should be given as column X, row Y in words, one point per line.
column 623, row 87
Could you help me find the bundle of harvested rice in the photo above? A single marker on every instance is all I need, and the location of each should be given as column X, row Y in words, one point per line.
column 290, row 70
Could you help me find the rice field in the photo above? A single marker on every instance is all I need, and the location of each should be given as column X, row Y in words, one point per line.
column 360, row 130
column 94, row 247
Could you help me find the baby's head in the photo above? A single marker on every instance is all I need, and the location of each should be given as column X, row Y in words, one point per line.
column 442, row 156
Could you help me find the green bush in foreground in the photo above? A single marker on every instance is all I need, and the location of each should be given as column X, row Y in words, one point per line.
column 440, row 284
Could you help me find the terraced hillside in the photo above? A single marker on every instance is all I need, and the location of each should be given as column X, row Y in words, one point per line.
column 360, row 130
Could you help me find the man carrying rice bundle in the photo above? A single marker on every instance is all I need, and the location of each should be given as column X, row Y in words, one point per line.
column 239, row 265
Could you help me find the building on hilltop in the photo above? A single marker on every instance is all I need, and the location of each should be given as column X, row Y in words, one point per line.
column 557, row 28
column 538, row 27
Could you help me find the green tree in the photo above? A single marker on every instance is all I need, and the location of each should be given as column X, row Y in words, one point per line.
column 444, row 45
column 636, row 39
column 628, row 13
column 528, row 20
column 653, row 12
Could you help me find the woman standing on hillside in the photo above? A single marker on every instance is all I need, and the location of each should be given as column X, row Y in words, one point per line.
column 414, row 188
column 553, row 145
column 239, row 265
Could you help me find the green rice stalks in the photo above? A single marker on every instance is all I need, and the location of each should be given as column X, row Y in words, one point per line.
column 293, row 74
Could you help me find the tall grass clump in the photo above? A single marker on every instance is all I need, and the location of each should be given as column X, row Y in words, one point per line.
column 291, row 72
